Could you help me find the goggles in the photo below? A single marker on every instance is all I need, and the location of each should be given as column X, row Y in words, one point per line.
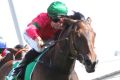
column 56, row 19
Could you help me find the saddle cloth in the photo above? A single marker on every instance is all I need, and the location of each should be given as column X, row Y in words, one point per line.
column 29, row 69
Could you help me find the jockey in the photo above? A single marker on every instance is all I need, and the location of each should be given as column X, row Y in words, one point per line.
column 45, row 27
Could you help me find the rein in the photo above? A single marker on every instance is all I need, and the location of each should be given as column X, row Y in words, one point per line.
column 51, row 44
column 19, row 52
column 71, row 36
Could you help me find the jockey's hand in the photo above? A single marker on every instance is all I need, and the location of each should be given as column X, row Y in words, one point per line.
column 40, row 42
column 49, row 44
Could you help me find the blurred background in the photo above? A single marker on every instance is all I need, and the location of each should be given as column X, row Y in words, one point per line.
column 105, row 14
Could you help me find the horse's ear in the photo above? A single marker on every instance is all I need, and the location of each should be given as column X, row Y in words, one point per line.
column 89, row 20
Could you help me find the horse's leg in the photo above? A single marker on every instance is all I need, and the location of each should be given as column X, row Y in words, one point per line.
column 73, row 76
column 5, row 69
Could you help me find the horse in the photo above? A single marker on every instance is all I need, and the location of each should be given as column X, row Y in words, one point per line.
column 75, row 42
column 15, row 53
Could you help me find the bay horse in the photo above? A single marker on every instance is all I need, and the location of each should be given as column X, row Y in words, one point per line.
column 76, row 42
column 15, row 53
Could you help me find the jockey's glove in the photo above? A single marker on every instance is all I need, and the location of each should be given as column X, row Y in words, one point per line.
column 40, row 42
column 49, row 44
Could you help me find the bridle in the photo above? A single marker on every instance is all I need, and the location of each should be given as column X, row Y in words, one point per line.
column 70, row 35
column 75, row 52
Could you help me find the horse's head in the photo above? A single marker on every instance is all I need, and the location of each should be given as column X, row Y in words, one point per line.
column 81, row 37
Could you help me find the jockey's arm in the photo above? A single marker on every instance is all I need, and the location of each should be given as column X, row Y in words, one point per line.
column 39, row 42
column 32, row 32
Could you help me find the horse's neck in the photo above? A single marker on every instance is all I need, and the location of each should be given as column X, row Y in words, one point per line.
column 59, row 58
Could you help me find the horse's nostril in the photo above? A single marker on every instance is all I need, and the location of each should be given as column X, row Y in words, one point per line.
column 90, row 70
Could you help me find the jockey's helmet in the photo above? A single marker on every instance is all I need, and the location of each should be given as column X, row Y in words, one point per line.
column 2, row 43
column 19, row 46
column 57, row 8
